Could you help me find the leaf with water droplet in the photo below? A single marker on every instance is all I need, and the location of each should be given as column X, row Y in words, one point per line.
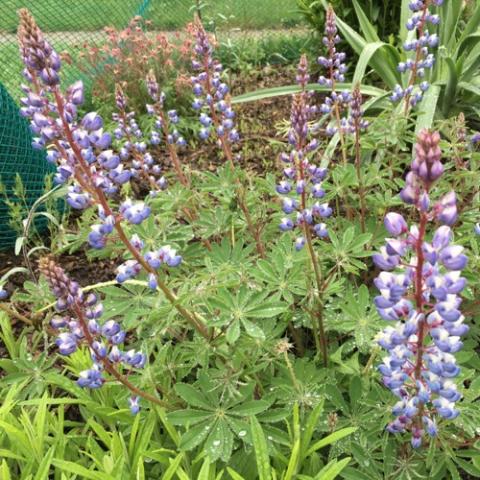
column 219, row 443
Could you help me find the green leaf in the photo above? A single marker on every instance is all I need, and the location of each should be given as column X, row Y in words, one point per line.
column 381, row 63
column 219, row 443
column 204, row 472
column 368, row 53
column 252, row 407
column 332, row 438
column 261, row 450
column 293, row 462
column 267, row 309
column 234, row 474
column 195, row 436
column 367, row 28
column 428, row 108
column 44, row 467
column 184, row 417
column 77, row 469
column 172, row 469
column 332, row 469
column 253, row 330
column 192, row 396
column 264, row 93
column 450, row 93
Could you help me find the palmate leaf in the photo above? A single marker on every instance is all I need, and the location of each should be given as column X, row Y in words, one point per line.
column 193, row 397
column 230, row 308
column 130, row 303
column 219, row 443
column 190, row 416
column 195, row 436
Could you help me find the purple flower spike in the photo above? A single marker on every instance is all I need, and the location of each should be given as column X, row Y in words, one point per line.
column 301, row 201
column 420, row 364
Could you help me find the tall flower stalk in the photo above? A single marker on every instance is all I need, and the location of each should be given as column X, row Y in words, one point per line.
column 165, row 126
column 419, row 290
column 357, row 125
column 212, row 101
column 421, row 59
column 78, row 324
column 334, row 64
column 82, row 151
column 301, row 200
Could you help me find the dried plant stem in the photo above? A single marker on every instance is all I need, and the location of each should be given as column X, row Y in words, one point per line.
column 13, row 313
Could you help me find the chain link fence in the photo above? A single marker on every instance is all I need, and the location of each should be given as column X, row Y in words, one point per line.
column 69, row 24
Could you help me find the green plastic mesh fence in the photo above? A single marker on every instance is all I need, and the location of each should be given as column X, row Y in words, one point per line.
column 69, row 24
column 17, row 158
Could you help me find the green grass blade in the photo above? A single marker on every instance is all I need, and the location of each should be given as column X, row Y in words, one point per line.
column 204, row 473
column 332, row 438
column 368, row 53
column 428, row 108
column 332, row 470
column 265, row 93
column 367, row 28
column 83, row 472
column 405, row 15
column 293, row 462
column 44, row 467
column 380, row 63
column 451, row 87
column 170, row 472
column 312, row 423
column 261, row 450
column 234, row 475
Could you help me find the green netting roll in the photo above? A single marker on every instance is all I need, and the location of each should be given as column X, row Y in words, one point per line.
column 17, row 157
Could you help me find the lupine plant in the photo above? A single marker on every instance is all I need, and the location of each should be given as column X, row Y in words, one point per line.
column 419, row 290
column 335, row 67
column 302, row 189
column 81, row 149
column 212, row 101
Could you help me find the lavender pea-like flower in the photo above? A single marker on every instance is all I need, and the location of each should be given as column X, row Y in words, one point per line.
column 80, row 147
column 302, row 188
column 77, row 326
column 419, row 291
column 421, row 59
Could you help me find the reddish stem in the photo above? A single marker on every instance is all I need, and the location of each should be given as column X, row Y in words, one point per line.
column 191, row 317
column 108, row 365
column 420, row 305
